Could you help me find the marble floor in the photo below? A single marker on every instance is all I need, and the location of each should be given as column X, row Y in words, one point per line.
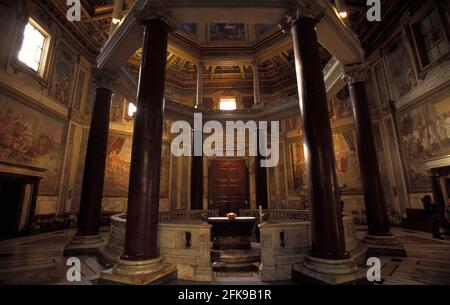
column 38, row 259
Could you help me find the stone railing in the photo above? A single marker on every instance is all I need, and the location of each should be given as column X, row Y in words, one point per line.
column 188, row 245
column 277, row 215
column 284, row 244
column 291, row 215
column 169, row 216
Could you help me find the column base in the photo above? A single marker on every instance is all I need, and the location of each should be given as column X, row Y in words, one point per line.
column 328, row 272
column 83, row 244
column 142, row 272
column 383, row 246
column 257, row 106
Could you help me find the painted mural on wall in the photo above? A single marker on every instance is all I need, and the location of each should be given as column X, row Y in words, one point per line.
column 80, row 87
column 347, row 162
column 61, row 85
column 30, row 137
column 399, row 68
column 262, row 28
column 117, row 171
column 227, row 31
column 299, row 181
column 190, row 28
column 342, row 104
column 380, row 81
column 425, row 132
column 370, row 92
column 165, row 171
column 117, row 108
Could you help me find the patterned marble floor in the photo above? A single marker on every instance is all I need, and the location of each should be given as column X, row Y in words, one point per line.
column 38, row 260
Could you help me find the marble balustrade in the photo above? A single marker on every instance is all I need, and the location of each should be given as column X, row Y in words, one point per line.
column 187, row 243
column 284, row 244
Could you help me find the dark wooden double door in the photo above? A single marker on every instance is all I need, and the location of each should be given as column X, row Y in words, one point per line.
column 228, row 186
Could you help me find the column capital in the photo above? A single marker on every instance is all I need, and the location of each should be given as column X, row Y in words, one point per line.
column 355, row 73
column 254, row 63
column 303, row 9
column 105, row 78
column 153, row 11
column 200, row 65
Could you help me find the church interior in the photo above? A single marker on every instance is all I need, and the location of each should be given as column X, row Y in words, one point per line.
column 360, row 109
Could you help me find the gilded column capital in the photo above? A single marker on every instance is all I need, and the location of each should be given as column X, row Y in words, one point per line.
column 303, row 9
column 105, row 78
column 355, row 73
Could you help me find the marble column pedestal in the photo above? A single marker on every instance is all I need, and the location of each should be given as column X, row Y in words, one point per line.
column 383, row 246
column 329, row 271
column 141, row 272
column 82, row 245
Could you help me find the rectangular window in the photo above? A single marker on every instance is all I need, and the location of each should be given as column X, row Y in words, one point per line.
column 34, row 47
column 431, row 38
column 227, row 104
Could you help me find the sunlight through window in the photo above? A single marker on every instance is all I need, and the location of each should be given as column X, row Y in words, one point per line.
column 227, row 104
column 32, row 49
column 131, row 109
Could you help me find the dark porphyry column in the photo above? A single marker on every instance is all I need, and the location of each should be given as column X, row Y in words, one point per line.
column 327, row 232
column 379, row 237
column 143, row 193
column 376, row 212
column 197, row 175
column 260, row 179
column 87, row 237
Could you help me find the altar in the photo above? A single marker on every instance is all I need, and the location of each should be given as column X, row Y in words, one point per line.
column 231, row 239
column 232, row 233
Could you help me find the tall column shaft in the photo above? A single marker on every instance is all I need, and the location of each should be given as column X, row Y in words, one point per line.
column 197, row 178
column 199, row 94
column 256, row 90
column 260, row 180
column 376, row 212
column 143, row 193
column 327, row 231
column 94, row 166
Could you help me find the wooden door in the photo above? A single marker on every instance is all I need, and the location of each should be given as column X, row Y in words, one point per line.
column 228, row 186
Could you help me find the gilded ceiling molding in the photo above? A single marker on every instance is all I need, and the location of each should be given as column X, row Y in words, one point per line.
column 303, row 9
column 354, row 73
column 105, row 78
column 159, row 12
